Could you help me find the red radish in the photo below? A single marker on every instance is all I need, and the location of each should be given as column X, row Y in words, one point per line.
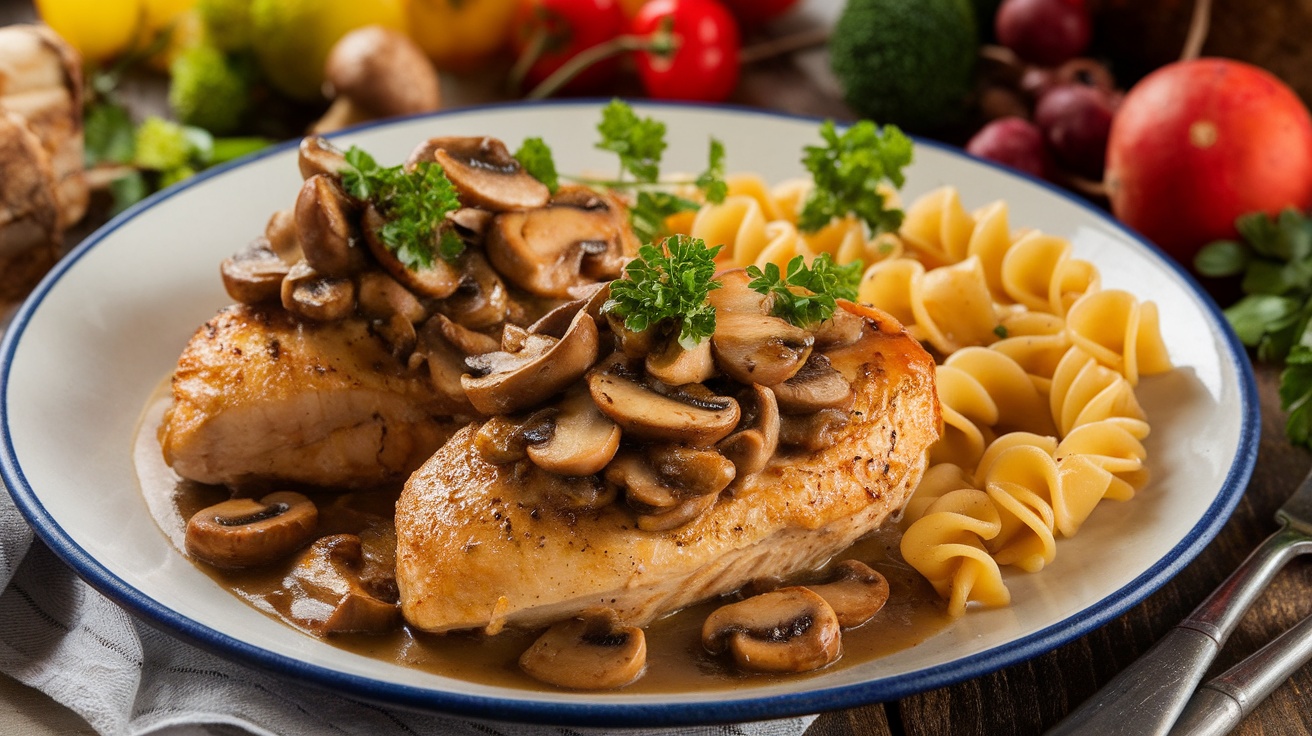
column 1046, row 32
column 1075, row 119
column 1013, row 141
column 1198, row 143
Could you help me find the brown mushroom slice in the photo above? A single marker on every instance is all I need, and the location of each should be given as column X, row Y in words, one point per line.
column 818, row 385
column 281, row 232
column 316, row 156
column 471, row 223
column 506, row 439
column 757, row 348
column 734, row 294
column 633, row 344
column 557, row 319
column 381, row 296
column 243, row 532
column 676, row 365
column 697, row 417
column 813, row 432
column 692, row 471
column 439, row 279
column 480, row 301
column 330, row 595
column 643, row 488
column 856, row 592
column 254, row 274
column 446, row 366
column 673, row 518
column 593, row 651
column 512, row 381
column 467, row 341
column 787, row 630
column 311, row 295
column 842, row 329
column 486, row 175
column 569, row 493
column 550, row 251
column 326, row 229
column 582, row 441
column 750, row 448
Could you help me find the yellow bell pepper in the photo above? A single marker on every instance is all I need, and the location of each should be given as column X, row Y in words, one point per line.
column 99, row 30
column 459, row 35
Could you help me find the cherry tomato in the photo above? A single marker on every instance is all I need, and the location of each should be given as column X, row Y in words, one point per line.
column 551, row 32
column 703, row 65
column 755, row 13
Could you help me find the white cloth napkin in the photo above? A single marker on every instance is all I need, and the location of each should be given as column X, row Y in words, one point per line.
column 60, row 636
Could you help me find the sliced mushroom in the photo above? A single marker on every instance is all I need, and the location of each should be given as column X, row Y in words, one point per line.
column 243, row 532
column 330, row 596
column 666, row 475
column 750, row 448
column 398, row 332
column 281, row 232
column 481, row 300
column 840, row 330
column 505, row 439
column 467, row 341
column 551, row 250
column 813, row 432
column 818, row 385
column 446, row 366
column 316, row 156
column 787, row 630
column 734, row 294
column 856, row 592
column 380, row 296
column 325, row 228
column 566, row 493
column 484, row 172
column 673, row 518
column 471, row 223
column 691, row 414
column 507, row 382
column 311, row 295
column 254, row 274
column 593, row 651
column 633, row 344
column 557, row 320
column 757, row 348
column 439, row 279
column 676, row 365
column 582, row 439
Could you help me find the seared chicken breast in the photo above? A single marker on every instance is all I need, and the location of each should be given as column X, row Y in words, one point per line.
column 259, row 396
column 478, row 547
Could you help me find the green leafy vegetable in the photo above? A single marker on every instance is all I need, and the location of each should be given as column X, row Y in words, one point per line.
column 1275, row 315
column 414, row 203
column 848, row 170
column 649, row 210
column 639, row 142
column 665, row 285
column 711, row 181
column 108, row 133
column 535, row 156
column 806, row 296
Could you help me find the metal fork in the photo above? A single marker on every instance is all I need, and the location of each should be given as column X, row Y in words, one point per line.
column 1148, row 696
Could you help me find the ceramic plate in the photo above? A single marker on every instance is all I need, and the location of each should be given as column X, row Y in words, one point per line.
column 87, row 350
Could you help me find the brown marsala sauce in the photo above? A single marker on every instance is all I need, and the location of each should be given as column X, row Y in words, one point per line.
column 675, row 658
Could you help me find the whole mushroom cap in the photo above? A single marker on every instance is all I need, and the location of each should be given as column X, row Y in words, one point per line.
column 382, row 72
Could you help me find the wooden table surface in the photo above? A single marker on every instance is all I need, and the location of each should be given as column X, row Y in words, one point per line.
column 1030, row 697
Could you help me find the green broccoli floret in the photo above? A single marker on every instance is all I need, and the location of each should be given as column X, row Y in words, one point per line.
column 161, row 145
column 227, row 23
column 908, row 63
column 209, row 89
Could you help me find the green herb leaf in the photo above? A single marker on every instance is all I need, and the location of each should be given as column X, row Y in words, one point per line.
column 413, row 203
column 535, row 156
column 806, row 296
column 848, row 170
column 668, row 285
column 711, row 181
column 127, row 190
column 649, row 210
column 1296, row 394
column 109, row 135
column 639, row 142
column 1222, row 258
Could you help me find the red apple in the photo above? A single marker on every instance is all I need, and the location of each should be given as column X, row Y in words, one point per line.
column 1198, row 143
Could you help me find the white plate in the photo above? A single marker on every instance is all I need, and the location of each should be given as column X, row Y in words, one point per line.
column 86, row 351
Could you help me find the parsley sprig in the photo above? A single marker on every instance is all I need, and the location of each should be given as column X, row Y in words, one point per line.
column 1274, row 317
column 535, row 156
column 848, row 170
column 668, row 285
column 806, row 296
column 413, row 203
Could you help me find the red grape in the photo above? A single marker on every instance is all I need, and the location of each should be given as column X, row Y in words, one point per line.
column 1013, row 141
column 1046, row 32
column 1075, row 120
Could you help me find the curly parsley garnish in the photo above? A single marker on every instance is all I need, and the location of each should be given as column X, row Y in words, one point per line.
column 668, row 284
column 806, row 296
column 535, row 156
column 848, row 170
column 414, row 204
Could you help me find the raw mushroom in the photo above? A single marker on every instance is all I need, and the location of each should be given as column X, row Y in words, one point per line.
column 311, row 295
column 593, row 651
column 787, row 630
column 375, row 72
column 439, row 279
column 317, row 156
column 484, row 173
column 750, row 448
column 816, row 386
column 243, row 532
column 509, row 381
column 691, row 414
column 551, row 250
column 757, row 348
column 856, row 592
column 326, row 229
column 330, row 595
column 254, row 274
column 582, row 439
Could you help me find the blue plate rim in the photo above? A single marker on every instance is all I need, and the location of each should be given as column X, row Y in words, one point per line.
column 628, row 714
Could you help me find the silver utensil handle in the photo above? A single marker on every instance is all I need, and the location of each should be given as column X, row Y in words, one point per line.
column 1221, row 703
column 1147, row 697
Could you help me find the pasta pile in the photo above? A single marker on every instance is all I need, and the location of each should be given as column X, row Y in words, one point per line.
column 1037, row 370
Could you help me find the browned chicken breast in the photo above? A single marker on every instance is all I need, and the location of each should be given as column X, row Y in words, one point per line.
column 261, row 396
column 481, row 546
